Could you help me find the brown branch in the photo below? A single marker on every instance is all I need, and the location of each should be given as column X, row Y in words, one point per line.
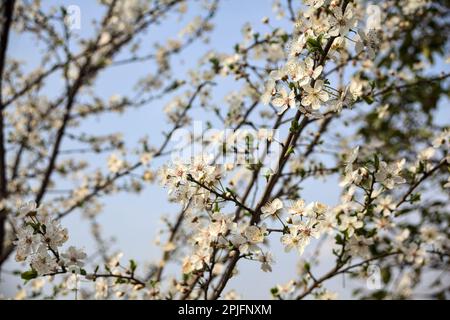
column 173, row 232
column 7, row 17
column 418, row 182
column 290, row 142
column 337, row 270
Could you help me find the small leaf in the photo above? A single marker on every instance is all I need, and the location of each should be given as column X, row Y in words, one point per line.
column 133, row 265
column 415, row 197
column 314, row 45
column 28, row 275
column 274, row 291
column 216, row 64
column 289, row 151
column 307, row 266
column 386, row 275
column 368, row 99
column 294, row 126
column 376, row 162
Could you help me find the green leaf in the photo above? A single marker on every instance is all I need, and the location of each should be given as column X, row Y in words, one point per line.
column 274, row 291
column 133, row 265
column 216, row 64
column 289, row 151
column 368, row 99
column 386, row 275
column 314, row 44
column 28, row 275
column 379, row 295
column 376, row 162
column 415, row 197
column 230, row 191
column 153, row 283
column 294, row 126
column 339, row 239
column 307, row 266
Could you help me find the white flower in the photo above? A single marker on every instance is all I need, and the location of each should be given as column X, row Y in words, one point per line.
column 291, row 240
column 27, row 242
column 350, row 224
column 414, row 254
column 42, row 262
column 318, row 208
column 284, row 100
column 314, row 3
column 351, row 158
column 55, row 235
column 186, row 265
column 359, row 247
column 101, row 288
column 385, row 205
column 300, row 235
column 28, row 207
column 373, row 17
column 294, row 70
column 384, row 223
column 389, row 175
column 72, row 282
column 255, row 234
column 429, row 233
column 74, row 257
column 115, row 164
column 442, row 139
column 308, row 72
column 314, row 96
column 297, row 46
column 114, row 261
column 201, row 258
column 368, row 41
column 176, row 174
column 426, row 154
column 271, row 208
column 248, row 242
column 383, row 111
column 232, row 295
column 297, row 208
column 266, row 262
column 219, row 226
column 405, row 285
column 356, row 88
column 287, row 288
column 146, row 157
column 341, row 23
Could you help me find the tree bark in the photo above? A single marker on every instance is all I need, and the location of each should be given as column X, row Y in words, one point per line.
column 7, row 17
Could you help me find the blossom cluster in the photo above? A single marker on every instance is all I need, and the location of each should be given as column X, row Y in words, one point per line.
column 302, row 85
column 39, row 239
column 183, row 180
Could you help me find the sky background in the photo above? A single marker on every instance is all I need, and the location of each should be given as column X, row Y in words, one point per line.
column 133, row 220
